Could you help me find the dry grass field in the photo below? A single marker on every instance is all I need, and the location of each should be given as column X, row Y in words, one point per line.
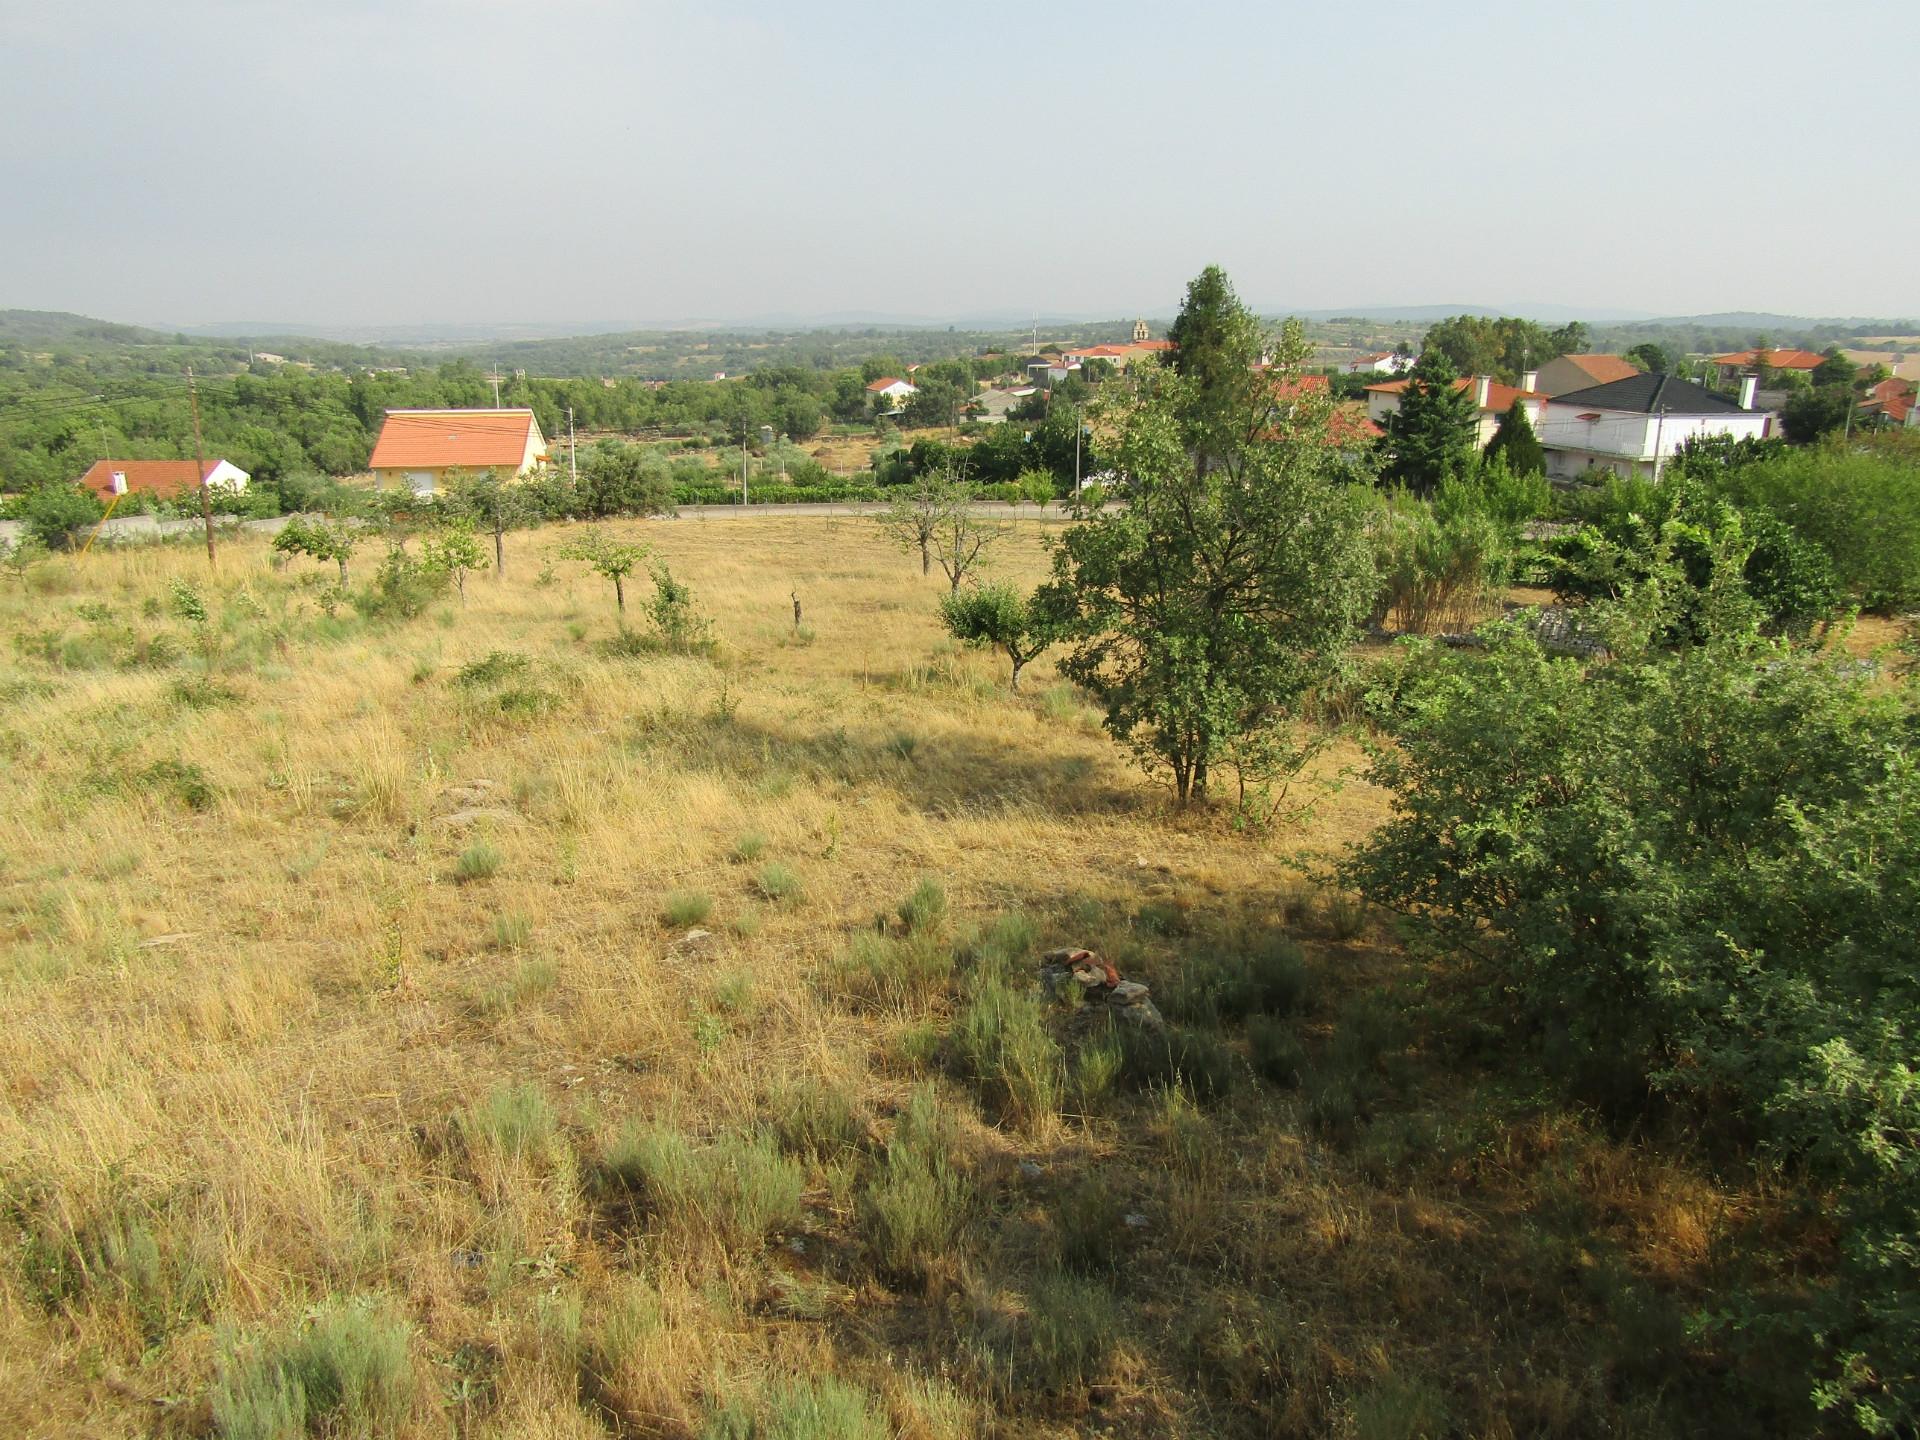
column 359, row 1074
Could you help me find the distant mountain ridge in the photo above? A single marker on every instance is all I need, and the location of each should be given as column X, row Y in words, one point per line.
column 39, row 328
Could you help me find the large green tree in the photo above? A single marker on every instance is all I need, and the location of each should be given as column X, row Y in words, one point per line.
column 1229, row 583
column 1433, row 433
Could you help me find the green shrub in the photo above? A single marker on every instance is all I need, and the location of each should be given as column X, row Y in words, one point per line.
column 925, row 908
column 912, row 1211
column 686, row 907
column 513, row 1119
column 820, row 1408
column 184, row 781
column 1003, row 1040
column 816, row 1120
column 1394, row 1408
column 676, row 620
column 884, row 973
column 1090, row 1226
column 1275, row 1051
column 493, row 668
column 1861, row 509
column 1059, row 1342
column 739, row 1189
column 479, row 861
column 1688, row 873
column 1190, row 1059
column 344, row 1372
column 511, row 931
column 200, row 692
column 123, row 1251
column 776, row 882
column 527, row 983
column 1265, row 978
column 749, row 847
column 1003, row 947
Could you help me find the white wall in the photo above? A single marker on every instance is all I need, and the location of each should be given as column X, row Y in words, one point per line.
column 1625, row 436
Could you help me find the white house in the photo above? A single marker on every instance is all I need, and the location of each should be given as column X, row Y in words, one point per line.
column 162, row 479
column 417, row 448
column 887, row 387
column 1491, row 400
column 1634, row 426
column 1384, row 362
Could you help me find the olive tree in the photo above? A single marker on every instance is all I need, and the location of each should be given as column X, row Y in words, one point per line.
column 453, row 550
column 494, row 506
column 999, row 617
column 321, row 540
column 612, row 559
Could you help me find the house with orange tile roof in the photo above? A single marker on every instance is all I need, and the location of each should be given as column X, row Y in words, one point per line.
column 1581, row 372
column 1491, row 400
column 1732, row 367
column 417, row 448
column 161, row 479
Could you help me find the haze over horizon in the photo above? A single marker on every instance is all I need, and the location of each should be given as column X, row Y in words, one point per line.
column 481, row 162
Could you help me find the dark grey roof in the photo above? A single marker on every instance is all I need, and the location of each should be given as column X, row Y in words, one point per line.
column 1650, row 394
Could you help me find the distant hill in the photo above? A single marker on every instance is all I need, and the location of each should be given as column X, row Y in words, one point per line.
column 56, row 327
column 1427, row 314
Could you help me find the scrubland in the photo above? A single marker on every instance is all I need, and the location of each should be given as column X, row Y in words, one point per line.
column 460, row 1025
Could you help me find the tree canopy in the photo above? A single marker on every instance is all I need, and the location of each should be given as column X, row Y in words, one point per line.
column 1229, row 583
column 1435, row 431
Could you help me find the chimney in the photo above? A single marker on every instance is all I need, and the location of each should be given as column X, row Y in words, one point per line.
column 1530, row 380
column 1482, row 388
column 119, row 482
column 1748, row 384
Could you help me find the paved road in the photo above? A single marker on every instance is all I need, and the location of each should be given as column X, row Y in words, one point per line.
column 993, row 509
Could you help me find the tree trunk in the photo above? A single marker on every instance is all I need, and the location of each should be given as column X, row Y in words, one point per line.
column 620, row 597
column 1014, row 683
column 499, row 552
column 926, row 559
column 343, row 572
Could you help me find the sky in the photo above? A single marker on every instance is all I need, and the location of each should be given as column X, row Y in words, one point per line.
column 612, row 163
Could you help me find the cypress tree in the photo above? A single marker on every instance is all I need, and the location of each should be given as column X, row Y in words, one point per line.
column 1432, row 435
column 1516, row 441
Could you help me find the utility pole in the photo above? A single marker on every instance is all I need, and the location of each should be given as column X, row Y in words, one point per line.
column 573, row 464
column 496, row 387
column 743, row 475
column 200, row 459
column 1659, row 430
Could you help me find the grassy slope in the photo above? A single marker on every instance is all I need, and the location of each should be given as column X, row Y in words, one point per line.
column 271, row 1049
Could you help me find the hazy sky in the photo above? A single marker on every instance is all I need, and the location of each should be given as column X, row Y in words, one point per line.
column 620, row 161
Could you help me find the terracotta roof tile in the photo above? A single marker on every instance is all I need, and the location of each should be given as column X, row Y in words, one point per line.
column 1603, row 369
column 441, row 439
column 1499, row 397
column 1774, row 359
column 165, row 478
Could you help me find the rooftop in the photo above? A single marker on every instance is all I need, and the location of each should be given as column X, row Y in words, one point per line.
column 1651, row 394
column 165, row 478
column 1499, row 397
column 445, row 439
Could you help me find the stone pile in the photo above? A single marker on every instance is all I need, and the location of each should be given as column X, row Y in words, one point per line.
column 1064, row 972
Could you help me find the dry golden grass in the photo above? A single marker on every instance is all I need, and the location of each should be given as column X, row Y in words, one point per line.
column 262, row 1025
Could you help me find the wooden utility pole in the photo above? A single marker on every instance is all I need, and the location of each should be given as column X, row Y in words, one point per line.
column 200, row 460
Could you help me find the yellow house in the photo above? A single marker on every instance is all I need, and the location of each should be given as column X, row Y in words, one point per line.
column 417, row 448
